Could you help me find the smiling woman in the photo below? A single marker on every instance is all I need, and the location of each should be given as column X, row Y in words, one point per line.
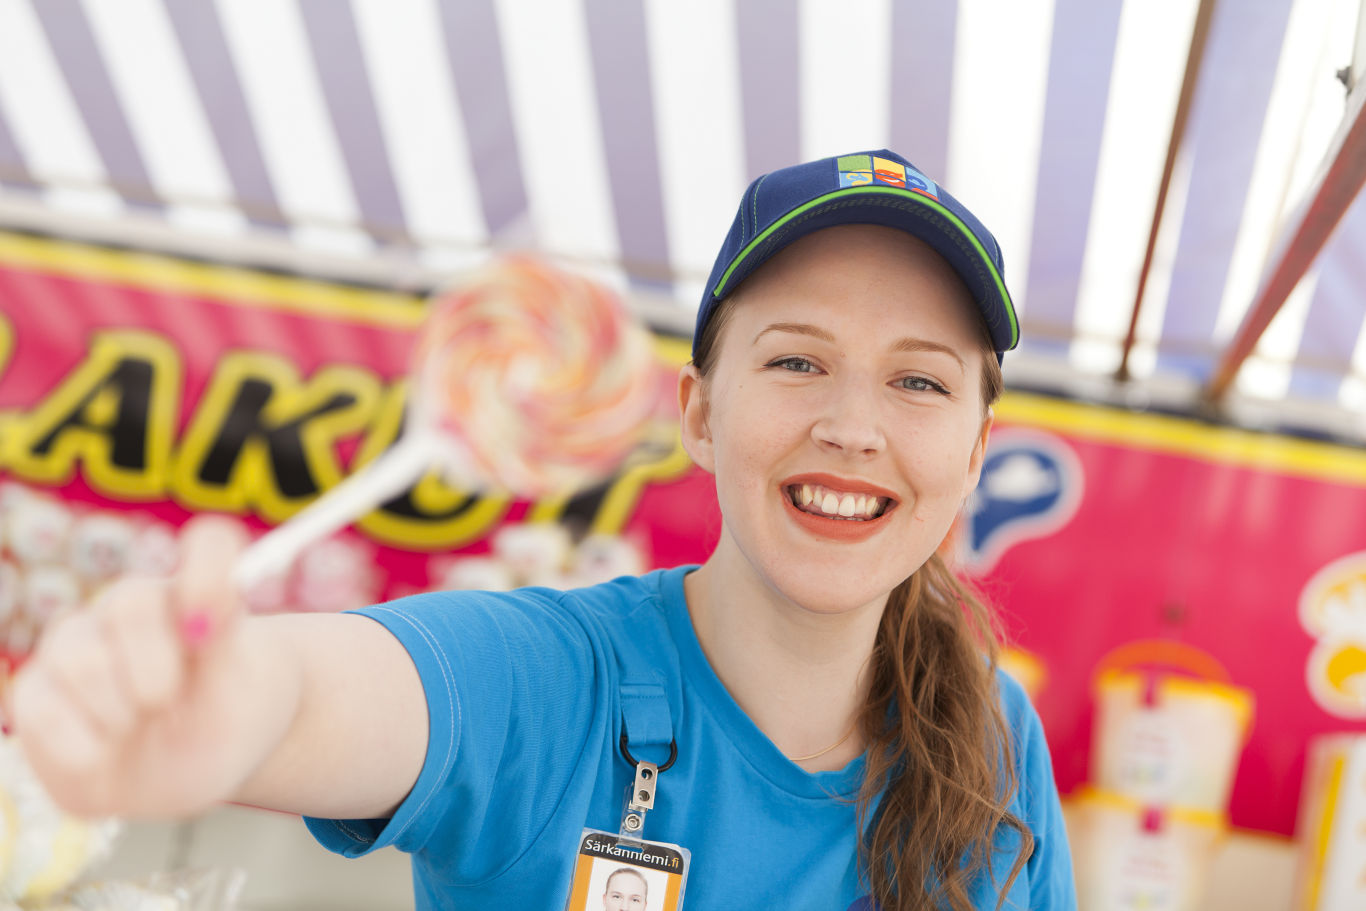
column 863, row 378
column 858, row 415
column 813, row 718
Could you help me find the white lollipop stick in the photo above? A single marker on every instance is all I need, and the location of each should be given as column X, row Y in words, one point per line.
column 393, row 472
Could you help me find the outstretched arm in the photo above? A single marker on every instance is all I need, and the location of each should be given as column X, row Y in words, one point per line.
column 163, row 698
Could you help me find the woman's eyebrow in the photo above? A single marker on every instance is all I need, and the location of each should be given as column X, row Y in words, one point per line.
column 799, row 328
column 907, row 344
column 921, row 344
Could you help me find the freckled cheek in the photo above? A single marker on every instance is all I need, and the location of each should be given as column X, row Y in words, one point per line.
column 936, row 479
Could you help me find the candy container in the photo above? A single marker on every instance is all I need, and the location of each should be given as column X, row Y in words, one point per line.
column 334, row 575
column 1169, row 740
column 527, row 379
column 535, row 553
column 1170, row 725
column 47, row 590
column 155, row 550
column 601, row 558
column 1135, row 858
column 36, row 529
column 487, row 574
column 100, row 547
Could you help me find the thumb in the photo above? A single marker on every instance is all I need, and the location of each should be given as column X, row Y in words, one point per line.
column 205, row 598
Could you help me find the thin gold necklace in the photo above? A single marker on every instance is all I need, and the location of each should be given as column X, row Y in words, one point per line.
column 847, row 734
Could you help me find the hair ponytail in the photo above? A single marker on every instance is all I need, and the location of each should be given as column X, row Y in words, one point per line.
column 939, row 768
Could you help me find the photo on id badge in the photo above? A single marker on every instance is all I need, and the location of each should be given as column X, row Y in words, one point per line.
column 618, row 877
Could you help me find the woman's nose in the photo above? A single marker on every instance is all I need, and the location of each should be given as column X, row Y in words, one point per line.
column 850, row 422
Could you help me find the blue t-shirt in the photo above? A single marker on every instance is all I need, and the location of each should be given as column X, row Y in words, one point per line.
column 525, row 699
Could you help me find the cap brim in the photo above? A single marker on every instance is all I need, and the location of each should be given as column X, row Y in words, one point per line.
column 907, row 210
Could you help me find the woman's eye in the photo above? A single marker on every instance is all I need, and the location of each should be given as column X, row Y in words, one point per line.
column 795, row 364
column 921, row 384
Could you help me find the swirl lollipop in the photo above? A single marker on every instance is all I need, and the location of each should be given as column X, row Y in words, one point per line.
column 528, row 379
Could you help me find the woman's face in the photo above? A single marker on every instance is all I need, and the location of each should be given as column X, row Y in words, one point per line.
column 843, row 418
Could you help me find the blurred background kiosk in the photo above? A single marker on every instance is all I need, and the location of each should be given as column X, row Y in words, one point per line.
column 220, row 224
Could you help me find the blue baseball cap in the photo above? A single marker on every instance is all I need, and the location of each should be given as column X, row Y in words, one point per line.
column 866, row 188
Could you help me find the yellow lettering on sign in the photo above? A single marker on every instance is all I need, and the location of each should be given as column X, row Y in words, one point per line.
column 432, row 515
column 265, row 440
column 115, row 413
column 6, row 342
column 664, row 461
column 660, row 457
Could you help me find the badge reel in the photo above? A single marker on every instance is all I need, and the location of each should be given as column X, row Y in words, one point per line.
column 623, row 869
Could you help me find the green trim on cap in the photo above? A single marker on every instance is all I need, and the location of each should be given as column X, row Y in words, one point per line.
column 918, row 198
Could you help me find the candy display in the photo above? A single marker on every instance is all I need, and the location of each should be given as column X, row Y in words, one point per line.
column 1129, row 857
column 526, row 379
column 1169, row 730
column 1331, row 829
column 1169, row 740
column 36, row 527
column 539, row 553
column 155, row 550
column 333, row 575
column 600, row 558
column 57, row 555
column 488, row 574
column 535, row 553
column 47, row 590
column 100, row 546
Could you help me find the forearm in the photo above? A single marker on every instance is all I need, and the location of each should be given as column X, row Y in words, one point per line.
column 342, row 720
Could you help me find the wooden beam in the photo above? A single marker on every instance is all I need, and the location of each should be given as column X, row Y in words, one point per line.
column 1339, row 180
column 1194, row 59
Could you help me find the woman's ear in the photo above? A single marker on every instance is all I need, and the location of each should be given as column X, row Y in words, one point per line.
column 692, row 410
column 979, row 451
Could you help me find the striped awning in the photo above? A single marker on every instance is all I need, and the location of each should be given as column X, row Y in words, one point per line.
column 398, row 141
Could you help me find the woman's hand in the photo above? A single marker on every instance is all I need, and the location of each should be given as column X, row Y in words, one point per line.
column 148, row 702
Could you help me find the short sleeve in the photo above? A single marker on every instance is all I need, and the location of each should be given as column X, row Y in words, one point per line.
column 510, row 682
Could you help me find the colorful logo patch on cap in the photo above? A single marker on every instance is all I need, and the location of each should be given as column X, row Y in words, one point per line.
column 866, row 170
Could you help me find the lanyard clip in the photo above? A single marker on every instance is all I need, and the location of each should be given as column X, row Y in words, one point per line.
column 640, row 798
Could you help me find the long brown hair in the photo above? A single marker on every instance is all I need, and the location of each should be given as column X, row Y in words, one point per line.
column 939, row 770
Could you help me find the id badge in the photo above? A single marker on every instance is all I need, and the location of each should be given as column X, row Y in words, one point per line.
column 619, row 873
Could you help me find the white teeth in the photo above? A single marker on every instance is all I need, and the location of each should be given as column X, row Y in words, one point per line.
column 846, row 506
